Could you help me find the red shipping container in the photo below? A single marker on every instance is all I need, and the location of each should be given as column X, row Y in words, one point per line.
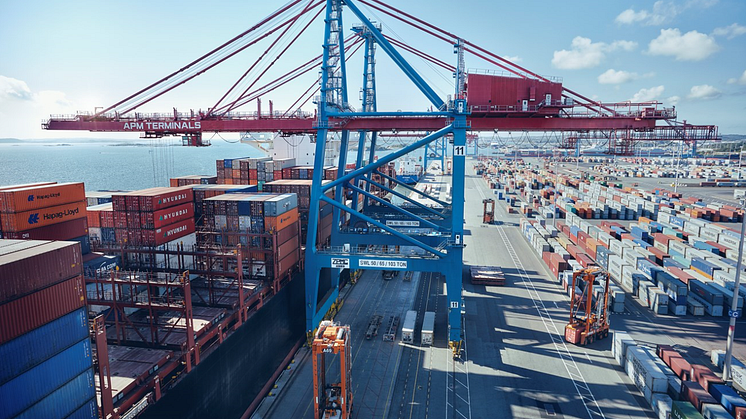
column 573, row 250
column 675, row 361
column 63, row 231
column 120, row 219
column 286, row 265
column 27, row 199
column 166, row 234
column 34, row 310
column 107, row 219
column 287, row 234
column 722, row 249
column 661, row 238
column 160, row 198
column 692, row 392
column 166, row 216
column 585, row 260
column 277, row 174
column 28, row 185
column 286, row 249
column 704, row 376
column 94, row 218
column 21, row 221
column 40, row 265
column 659, row 254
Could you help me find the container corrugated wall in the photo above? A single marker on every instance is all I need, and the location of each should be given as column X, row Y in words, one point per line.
column 32, row 386
column 89, row 410
column 27, row 270
column 27, row 313
column 65, row 400
column 40, row 344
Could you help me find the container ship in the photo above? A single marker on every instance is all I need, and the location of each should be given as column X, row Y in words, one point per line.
column 181, row 301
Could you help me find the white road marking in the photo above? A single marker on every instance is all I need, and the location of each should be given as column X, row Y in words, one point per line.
column 576, row 376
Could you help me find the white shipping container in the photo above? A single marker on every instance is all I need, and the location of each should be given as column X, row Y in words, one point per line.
column 728, row 240
column 676, row 310
column 645, row 373
column 619, row 346
column 694, row 307
column 407, row 331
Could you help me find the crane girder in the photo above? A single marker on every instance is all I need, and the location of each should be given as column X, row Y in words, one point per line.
column 308, row 125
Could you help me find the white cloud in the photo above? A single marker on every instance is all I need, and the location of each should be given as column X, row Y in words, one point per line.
column 647, row 95
column 513, row 59
column 704, row 92
column 11, row 88
column 731, row 31
column 691, row 46
column 586, row 54
column 740, row 80
column 663, row 12
column 673, row 100
column 52, row 99
column 612, row 76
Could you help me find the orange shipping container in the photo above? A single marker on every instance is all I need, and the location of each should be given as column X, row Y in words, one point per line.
column 272, row 224
column 42, row 217
column 27, row 199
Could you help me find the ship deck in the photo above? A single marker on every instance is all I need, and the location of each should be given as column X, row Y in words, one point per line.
column 515, row 362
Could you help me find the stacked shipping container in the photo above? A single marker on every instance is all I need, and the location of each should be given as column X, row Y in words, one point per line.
column 153, row 217
column 44, row 331
column 45, row 212
column 253, row 215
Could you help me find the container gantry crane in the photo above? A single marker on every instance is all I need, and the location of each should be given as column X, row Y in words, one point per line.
column 332, row 400
column 589, row 316
column 481, row 102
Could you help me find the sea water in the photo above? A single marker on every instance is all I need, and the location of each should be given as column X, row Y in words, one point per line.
column 121, row 165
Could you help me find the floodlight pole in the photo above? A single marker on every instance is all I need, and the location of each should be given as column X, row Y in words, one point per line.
column 734, row 304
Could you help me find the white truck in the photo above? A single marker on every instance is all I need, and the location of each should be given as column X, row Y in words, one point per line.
column 407, row 331
column 428, row 327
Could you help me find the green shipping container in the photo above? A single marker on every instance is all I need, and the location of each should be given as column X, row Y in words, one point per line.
column 684, row 410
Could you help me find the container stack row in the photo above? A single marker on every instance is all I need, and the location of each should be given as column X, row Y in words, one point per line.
column 563, row 258
column 673, row 386
column 47, row 368
column 192, row 180
column 49, row 211
column 153, row 217
column 258, row 213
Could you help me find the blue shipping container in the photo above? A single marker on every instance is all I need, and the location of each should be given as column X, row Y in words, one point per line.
column 727, row 397
column 639, row 233
column 656, row 227
column 85, row 244
column 38, row 345
column 706, row 292
column 707, row 247
column 642, row 244
column 676, row 221
column 65, row 400
column 649, row 269
column 100, row 264
column 670, row 262
column 88, row 411
column 108, row 235
column 28, row 388
column 704, row 266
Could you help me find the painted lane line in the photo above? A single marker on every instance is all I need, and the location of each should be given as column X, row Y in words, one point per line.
column 576, row 376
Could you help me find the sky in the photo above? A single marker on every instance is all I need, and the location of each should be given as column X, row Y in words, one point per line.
column 62, row 57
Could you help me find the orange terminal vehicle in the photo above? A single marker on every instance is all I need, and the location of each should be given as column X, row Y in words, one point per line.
column 588, row 322
column 332, row 400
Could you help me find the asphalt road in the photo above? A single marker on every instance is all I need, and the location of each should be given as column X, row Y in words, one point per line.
column 515, row 362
